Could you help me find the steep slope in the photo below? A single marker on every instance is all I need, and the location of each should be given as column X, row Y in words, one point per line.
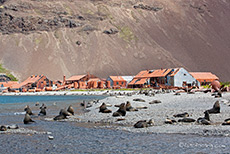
column 55, row 37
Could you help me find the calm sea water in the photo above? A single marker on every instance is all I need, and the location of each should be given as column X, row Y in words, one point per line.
column 72, row 138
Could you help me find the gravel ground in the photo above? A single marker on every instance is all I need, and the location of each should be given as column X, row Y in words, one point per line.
column 194, row 104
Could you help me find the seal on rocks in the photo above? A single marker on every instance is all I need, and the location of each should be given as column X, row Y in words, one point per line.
column 43, row 110
column 70, row 110
column 62, row 115
column 187, row 120
column 139, row 100
column 155, row 102
column 3, row 128
column 205, row 120
column 121, row 111
column 170, row 121
column 226, row 122
column 185, row 114
column 215, row 109
column 27, row 119
column 28, row 110
column 129, row 107
column 144, row 123
column 103, row 108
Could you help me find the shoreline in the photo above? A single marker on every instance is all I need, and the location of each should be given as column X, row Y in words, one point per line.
column 194, row 104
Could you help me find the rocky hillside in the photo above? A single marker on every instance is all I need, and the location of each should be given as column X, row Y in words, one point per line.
column 56, row 37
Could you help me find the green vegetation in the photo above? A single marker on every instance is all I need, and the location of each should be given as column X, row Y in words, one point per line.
column 8, row 73
column 126, row 34
column 226, row 84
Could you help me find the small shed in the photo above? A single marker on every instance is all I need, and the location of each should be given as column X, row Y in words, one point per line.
column 204, row 77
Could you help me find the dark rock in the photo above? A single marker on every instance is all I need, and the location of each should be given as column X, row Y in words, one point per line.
column 111, row 31
column 147, row 7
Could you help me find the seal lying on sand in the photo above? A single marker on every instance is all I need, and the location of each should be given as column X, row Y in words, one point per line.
column 226, row 122
column 155, row 102
column 170, row 121
column 70, row 110
column 215, row 109
column 27, row 119
column 185, row 114
column 144, row 123
column 62, row 115
column 121, row 111
column 129, row 107
column 28, row 110
column 205, row 120
column 139, row 100
column 187, row 120
column 103, row 108
column 43, row 110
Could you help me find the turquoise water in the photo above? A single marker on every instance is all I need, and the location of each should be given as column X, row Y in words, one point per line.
column 30, row 99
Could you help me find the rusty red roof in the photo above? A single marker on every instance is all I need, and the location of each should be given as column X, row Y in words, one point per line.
column 204, row 76
column 29, row 80
column 117, row 78
column 8, row 83
column 76, row 77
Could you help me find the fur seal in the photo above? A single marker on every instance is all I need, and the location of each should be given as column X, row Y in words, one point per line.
column 43, row 110
column 144, row 123
column 121, row 111
column 70, row 110
column 103, row 108
column 3, row 128
column 28, row 110
column 185, row 114
column 205, row 120
column 155, row 102
column 170, row 121
column 139, row 100
column 226, row 122
column 129, row 107
column 62, row 115
column 187, row 120
column 215, row 109
column 27, row 119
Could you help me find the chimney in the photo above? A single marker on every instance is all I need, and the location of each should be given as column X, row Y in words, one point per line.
column 64, row 80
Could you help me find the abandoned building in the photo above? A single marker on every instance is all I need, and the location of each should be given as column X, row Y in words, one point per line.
column 34, row 83
column 176, row 77
column 204, row 78
column 78, row 81
column 117, row 82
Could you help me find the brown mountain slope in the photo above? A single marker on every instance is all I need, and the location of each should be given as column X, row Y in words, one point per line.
column 55, row 37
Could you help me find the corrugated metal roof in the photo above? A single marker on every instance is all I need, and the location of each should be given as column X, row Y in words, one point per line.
column 31, row 79
column 76, row 77
column 141, row 81
column 201, row 76
column 117, row 78
column 8, row 84
column 156, row 73
column 127, row 78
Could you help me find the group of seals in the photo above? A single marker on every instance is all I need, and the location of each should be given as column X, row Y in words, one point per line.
column 144, row 123
column 64, row 113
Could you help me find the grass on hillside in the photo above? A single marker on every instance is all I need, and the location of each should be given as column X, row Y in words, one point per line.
column 7, row 72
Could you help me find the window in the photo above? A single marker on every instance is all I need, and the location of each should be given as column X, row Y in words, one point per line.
column 117, row 83
column 122, row 83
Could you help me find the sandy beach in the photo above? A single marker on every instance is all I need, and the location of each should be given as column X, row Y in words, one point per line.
column 194, row 104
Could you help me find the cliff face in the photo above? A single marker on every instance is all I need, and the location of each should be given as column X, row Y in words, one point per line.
column 55, row 37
